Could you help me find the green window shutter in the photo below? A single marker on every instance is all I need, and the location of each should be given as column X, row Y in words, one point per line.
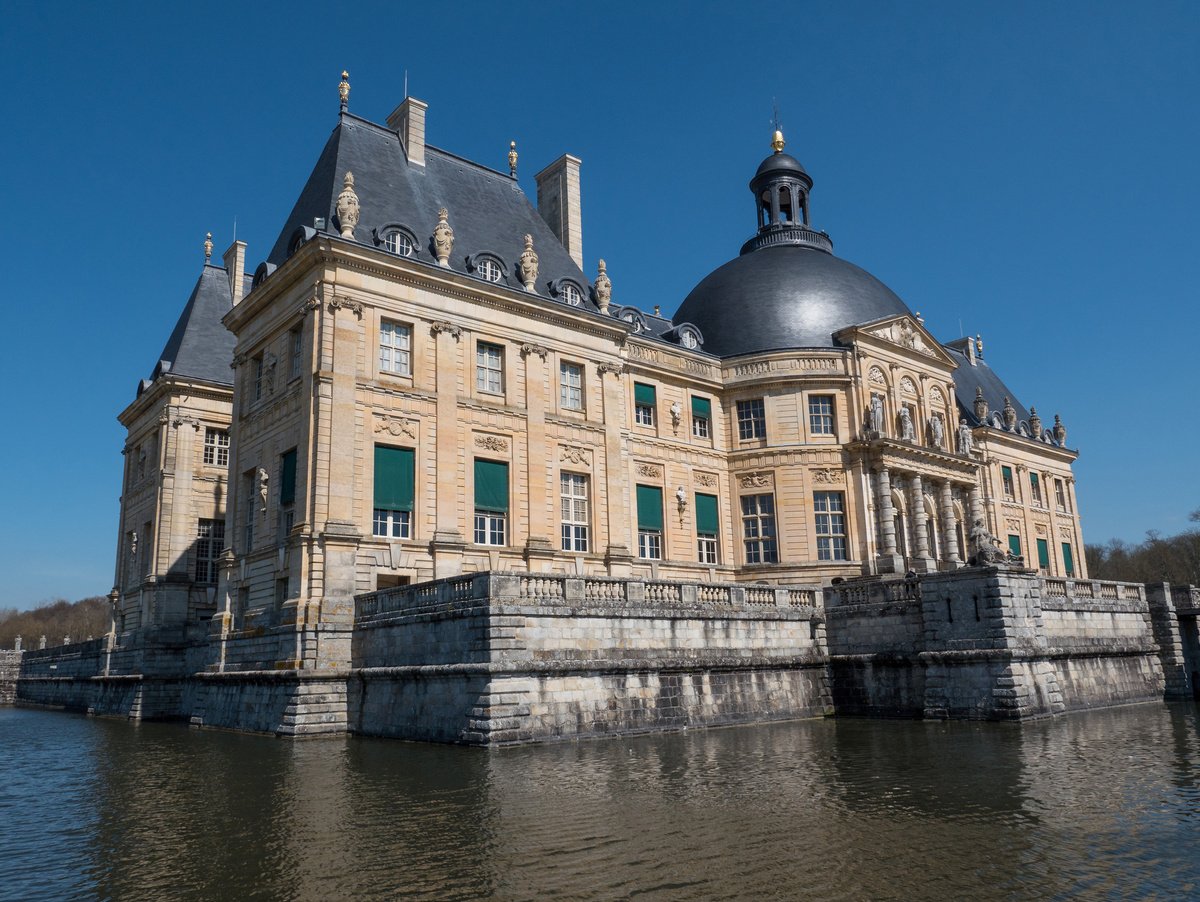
column 644, row 395
column 1043, row 553
column 1033, row 480
column 701, row 407
column 491, row 486
column 1014, row 545
column 650, row 508
column 394, row 474
column 706, row 514
column 1007, row 473
column 287, row 479
column 1068, row 560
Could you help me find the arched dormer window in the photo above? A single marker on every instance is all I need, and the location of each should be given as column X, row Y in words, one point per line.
column 260, row 275
column 397, row 239
column 688, row 336
column 568, row 291
column 487, row 266
column 634, row 317
column 298, row 237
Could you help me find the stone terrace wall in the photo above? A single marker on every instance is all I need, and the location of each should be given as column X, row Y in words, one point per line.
column 10, row 667
column 1186, row 601
column 494, row 658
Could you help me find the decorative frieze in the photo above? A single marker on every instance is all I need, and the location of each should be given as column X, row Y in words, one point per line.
column 828, row 476
column 649, row 471
column 708, row 480
column 492, row 443
column 396, row 427
column 758, row 480
column 573, row 454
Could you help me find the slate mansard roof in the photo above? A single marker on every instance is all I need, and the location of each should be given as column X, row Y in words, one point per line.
column 488, row 211
column 200, row 346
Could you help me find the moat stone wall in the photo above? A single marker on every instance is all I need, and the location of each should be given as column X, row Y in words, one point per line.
column 10, row 668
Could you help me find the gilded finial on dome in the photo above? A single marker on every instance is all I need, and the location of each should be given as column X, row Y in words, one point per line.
column 512, row 158
column 777, row 142
column 208, row 247
column 344, row 90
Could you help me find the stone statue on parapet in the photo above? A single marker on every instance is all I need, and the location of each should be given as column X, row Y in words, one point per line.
column 988, row 551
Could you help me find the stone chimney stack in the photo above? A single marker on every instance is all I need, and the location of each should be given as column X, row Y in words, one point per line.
column 558, row 203
column 408, row 120
column 235, row 265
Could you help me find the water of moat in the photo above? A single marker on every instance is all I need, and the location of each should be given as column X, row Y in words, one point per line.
column 1098, row 805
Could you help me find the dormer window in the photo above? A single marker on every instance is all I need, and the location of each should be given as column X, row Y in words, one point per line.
column 489, row 270
column 571, row 295
column 487, row 266
column 397, row 242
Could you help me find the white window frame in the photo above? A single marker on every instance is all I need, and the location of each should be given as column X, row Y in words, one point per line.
column 821, row 415
column 575, row 509
column 1008, row 483
column 830, row 525
column 752, row 419
column 707, row 551
column 760, row 538
column 650, row 544
column 489, row 368
column 396, row 241
column 395, row 348
column 210, row 542
column 491, row 528
column 391, row 524
column 571, row 295
column 1060, row 496
column 570, row 385
column 216, row 447
column 489, row 270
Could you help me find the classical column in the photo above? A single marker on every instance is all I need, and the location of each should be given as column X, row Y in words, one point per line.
column 949, row 533
column 888, row 560
column 916, row 504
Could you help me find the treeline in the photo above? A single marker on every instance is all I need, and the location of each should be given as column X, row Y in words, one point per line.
column 55, row 620
column 1175, row 559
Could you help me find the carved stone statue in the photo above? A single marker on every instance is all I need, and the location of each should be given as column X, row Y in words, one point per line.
column 1060, row 431
column 529, row 264
column 985, row 547
column 966, row 441
column 676, row 414
column 443, row 238
column 981, row 406
column 1010, row 415
column 264, row 480
column 603, row 288
column 1035, row 424
column 876, row 415
column 133, row 540
column 937, row 432
column 908, row 336
column 681, row 499
column 907, row 433
column 347, row 206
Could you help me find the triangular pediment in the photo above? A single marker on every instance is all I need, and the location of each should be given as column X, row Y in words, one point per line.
column 902, row 331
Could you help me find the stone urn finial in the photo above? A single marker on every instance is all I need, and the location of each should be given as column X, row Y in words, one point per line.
column 512, row 158
column 1060, row 431
column 208, row 247
column 1035, row 423
column 603, row 287
column 981, row 405
column 344, row 91
column 443, row 238
column 1010, row 415
column 529, row 264
column 347, row 207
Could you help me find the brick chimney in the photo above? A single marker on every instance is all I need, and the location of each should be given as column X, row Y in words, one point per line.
column 408, row 120
column 235, row 266
column 558, row 203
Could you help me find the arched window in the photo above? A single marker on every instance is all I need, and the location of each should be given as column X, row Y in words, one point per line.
column 785, row 205
column 397, row 242
column 489, row 270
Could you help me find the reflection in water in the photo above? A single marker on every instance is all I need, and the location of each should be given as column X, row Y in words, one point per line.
column 1100, row 804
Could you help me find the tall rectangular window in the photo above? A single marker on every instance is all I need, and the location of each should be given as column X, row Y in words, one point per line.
column 706, row 528
column 395, row 351
column 1014, row 544
column 701, row 417
column 395, row 470
column 645, row 402
column 489, row 368
column 210, row 542
column 287, row 493
column 752, row 419
column 650, row 522
column 1068, row 559
column 257, row 364
column 570, row 386
column 758, row 529
column 574, row 487
column 830, row 510
column 1035, row 489
column 1060, row 495
column 1043, row 554
column 295, row 345
column 820, row 414
column 491, row 502
column 216, row 447
column 1006, row 478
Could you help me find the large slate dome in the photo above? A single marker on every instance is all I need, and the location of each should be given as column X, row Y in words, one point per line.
column 787, row 289
column 787, row 296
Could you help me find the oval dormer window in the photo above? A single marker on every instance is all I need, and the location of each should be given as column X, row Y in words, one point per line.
column 571, row 295
column 489, row 270
column 398, row 243
column 689, row 340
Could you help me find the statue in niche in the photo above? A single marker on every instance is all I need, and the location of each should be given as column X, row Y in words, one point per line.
column 876, row 416
column 264, row 479
column 981, row 405
column 907, row 433
column 133, row 540
column 1010, row 415
column 966, row 441
column 937, row 432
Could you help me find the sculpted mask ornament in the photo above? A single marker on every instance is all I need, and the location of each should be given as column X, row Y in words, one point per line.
column 1010, row 415
column 981, row 406
column 529, row 264
column 966, row 442
column 603, row 287
column 1060, row 431
column 347, row 207
column 443, row 238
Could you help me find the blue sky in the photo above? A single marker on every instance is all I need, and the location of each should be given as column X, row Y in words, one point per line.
column 1023, row 170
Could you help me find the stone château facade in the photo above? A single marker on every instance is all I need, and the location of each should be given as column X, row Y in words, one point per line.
column 420, row 386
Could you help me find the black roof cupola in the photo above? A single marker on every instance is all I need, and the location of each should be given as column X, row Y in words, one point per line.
column 780, row 188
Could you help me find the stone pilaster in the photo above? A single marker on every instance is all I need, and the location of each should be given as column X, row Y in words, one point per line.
column 539, row 547
column 618, row 557
column 448, row 542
